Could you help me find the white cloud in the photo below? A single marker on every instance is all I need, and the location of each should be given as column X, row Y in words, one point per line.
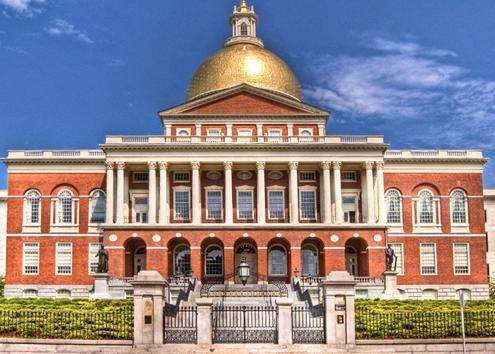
column 406, row 81
column 26, row 7
column 61, row 28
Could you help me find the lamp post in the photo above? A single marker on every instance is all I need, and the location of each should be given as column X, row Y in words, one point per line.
column 244, row 271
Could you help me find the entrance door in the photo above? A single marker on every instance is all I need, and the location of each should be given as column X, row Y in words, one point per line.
column 139, row 260
column 246, row 252
column 351, row 261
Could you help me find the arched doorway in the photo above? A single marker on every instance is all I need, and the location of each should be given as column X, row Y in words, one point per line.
column 356, row 257
column 246, row 250
column 279, row 266
column 135, row 256
column 179, row 257
column 212, row 261
column 312, row 258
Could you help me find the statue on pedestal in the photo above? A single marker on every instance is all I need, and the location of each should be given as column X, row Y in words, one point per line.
column 102, row 260
column 391, row 259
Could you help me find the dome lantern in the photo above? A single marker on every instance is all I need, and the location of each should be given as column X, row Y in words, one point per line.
column 243, row 21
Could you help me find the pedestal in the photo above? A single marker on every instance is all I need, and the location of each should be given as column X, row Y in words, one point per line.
column 101, row 286
column 284, row 320
column 390, row 281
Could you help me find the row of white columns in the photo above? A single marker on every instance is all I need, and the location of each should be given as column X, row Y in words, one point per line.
column 371, row 195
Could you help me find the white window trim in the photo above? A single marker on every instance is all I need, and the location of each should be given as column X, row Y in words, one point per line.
column 308, row 189
column 286, row 259
column 92, row 225
column 24, row 258
column 71, row 259
column 89, row 255
column 244, row 189
column 468, row 258
column 459, row 227
column 276, row 189
column 352, row 193
column 137, row 194
column 349, row 180
column 216, row 189
column 421, row 259
column 28, row 227
column 181, row 189
column 403, row 264
column 137, row 181
column 174, row 252
column 395, row 224
column 56, row 226
column 307, row 180
column 223, row 261
column 436, row 225
column 302, row 130
column 174, row 180
column 178, row 130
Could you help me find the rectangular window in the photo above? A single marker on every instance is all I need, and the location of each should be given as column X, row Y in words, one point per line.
column 399, row 253
column 461, row 258
column 307, row 204
column 182, row 204
column 275, row 135
column 349, row 176
column 213, row 135
column 182, row 176
column 214, row 205
column 140, row 177
column 31, row 258
column 245, row 205
column 428, row 258
column 140, row 210
column 244, row 135
column 64, row 258
column 92, row 257
column 276, row 204
column 307, row 176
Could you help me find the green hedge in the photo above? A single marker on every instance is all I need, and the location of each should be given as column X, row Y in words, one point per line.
column 66, row 319
column 423, row 319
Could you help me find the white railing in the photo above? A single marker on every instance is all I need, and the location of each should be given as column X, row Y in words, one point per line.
column 369, row 280
column 59, row 154
column 440, row 154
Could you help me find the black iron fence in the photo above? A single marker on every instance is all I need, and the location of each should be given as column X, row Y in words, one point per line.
column 181, row 325
column 244, row 324
column 117, row 324
column 423, row 325
column 308, row 324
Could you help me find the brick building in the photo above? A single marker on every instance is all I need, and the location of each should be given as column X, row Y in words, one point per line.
column 244, row 170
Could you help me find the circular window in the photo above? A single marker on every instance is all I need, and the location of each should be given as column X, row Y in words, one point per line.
column 244, row 175
column 214, row 175
column 275, row 175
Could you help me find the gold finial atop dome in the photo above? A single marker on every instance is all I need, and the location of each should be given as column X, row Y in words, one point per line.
column 244, row 61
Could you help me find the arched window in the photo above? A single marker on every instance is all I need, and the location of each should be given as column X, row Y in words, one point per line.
column 32, row 207
column 183, row 132
column 394, row 207
column 277, row 261
column 97, row 207
column 425, row 207
column 244, row 29
column 65, row 207
column 458, row 207
column 182, row 260
column 213, row 261
column 309, row 260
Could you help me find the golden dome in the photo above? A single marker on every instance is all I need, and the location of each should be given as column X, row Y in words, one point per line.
column 244, row 63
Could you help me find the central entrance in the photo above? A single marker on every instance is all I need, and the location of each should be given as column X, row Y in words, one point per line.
column 246, row 251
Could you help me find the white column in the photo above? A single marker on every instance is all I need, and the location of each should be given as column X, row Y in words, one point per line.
column 198, row 133
column 259, row 132
column 196, row 193
column 227, row 165
column 339, row 215
column 370, row 199
column 293, row 201
column 228, row 138
column 120, row 192
column 260, row 192
column 168, row 129
column 152, row 192
column 380, row 193
column 163, row 208
column 109, row 191
column 326, row 203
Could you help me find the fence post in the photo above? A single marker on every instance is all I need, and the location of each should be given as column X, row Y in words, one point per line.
column 339, row 292
column 149, row 288
column 284, row 322
column 204, row 308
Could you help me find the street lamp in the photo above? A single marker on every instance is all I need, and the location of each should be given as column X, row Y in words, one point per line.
column 244, row 271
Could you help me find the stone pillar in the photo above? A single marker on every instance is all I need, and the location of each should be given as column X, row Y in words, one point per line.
column 260, row 190
column 370, row 199
column 120, row 192
column 339, row 292
column 152, row 192
column 380, row 193
column 101, row 286
column 293, row 189
column 204, row 320
column 284, row 320
column 390, row 281
column 228, row 137
column 163, row 208
column 339, row 215
column 196, row 193
column 149, row 290
column 259, row 133
column 326, row 204
column 227, row 166
column 109, row 191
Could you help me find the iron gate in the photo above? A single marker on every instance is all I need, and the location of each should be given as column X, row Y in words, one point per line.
column 244, row 324
column 180, row 324
column 308, row 324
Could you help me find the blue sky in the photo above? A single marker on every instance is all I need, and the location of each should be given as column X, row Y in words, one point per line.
column 419, row 72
